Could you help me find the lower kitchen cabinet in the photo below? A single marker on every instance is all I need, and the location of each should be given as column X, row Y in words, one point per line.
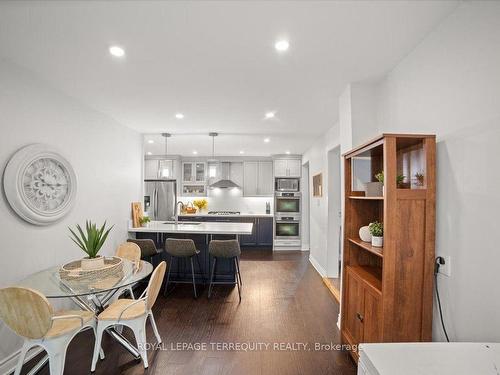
column 251, row 239
column 265, row 231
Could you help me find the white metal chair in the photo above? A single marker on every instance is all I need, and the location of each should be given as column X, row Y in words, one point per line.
column 29, row 314
column 133, row 314
column 131, row 252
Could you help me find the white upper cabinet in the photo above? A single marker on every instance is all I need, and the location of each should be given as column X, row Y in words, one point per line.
column 257, row 178
column 294, row 167
column 250, row 176
column 194, row 172
column 287, row 168
column 150, row 169
column 280, row 168
column 265, row 180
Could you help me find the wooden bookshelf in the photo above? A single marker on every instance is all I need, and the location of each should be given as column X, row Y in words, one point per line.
column 377, row 282
column 378, row 251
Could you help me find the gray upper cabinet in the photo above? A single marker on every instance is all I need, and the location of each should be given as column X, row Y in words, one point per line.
column 287, row 168
column 257, row 178
column 150, row 169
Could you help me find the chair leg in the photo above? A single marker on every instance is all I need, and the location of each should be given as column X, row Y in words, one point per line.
column 212, row 278
column 199, row 267
column 131, row 292
column 22, row 355
column 237, row 275
column 238, row 268
column 192, row 275
column 97, row 345
column 168, row 276
column 155, row 328
column 56, row 350
column 139, row 328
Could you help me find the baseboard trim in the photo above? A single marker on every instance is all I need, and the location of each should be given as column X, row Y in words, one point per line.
column 317, row 266
column 334, row 291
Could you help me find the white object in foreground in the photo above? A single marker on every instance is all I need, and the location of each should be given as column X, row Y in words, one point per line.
column 429, row 359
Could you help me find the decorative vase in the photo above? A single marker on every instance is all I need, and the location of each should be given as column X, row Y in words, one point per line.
column 92, row 263
column 374, row 189
column 364, row 234
column 377, row 241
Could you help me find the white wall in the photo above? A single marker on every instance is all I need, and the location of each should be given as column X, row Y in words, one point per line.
column 450, row 85
column 317, row 157
column 107, row 160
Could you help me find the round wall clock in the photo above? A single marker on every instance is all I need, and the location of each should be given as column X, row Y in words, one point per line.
column 39, row 184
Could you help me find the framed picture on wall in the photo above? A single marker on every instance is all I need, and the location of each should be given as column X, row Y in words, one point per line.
column 318, row 185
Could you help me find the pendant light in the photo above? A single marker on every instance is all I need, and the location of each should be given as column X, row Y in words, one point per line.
column 225, row 181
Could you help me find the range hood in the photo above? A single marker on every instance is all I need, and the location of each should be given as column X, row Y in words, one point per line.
column 225, row 182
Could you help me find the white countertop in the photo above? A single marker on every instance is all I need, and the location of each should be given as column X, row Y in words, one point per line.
column 192, row 228
column 232, row 215
column 431, row 358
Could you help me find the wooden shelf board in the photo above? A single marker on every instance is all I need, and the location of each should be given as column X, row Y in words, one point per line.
column 378, row 251
column 366, row 198
column 370, row 275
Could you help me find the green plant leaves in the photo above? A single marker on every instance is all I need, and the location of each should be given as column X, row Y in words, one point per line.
column 91, row 241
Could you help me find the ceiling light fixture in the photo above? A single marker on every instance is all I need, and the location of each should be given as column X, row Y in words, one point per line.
column 151, row 141
column 117, row 51
column 267, row 140
column 149, row 153
column 287, row 152
column 195, row 152
column 281, row 45
column 270, row 115
column 179, row 116
column 242, row 152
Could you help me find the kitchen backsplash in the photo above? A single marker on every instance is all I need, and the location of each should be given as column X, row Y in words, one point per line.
column 232, row 200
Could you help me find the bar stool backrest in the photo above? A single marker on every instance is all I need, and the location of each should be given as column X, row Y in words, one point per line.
column 147, row 246
column 26, row 311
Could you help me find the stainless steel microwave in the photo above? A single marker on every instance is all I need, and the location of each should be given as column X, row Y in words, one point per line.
column 287, row 184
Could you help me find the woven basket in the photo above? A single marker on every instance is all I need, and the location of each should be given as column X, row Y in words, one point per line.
column 104, row 278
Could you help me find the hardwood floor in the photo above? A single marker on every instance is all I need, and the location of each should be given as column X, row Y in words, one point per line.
column 283, row 302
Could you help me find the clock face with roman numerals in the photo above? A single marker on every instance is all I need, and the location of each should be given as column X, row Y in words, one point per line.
column 40, row 184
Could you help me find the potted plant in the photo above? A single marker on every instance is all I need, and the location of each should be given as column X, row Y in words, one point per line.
column 419, row 176
column 201, row 204
column 91, row 242
column 377, row 232
column 144, row 221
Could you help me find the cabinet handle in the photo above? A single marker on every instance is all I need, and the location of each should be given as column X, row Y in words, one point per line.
column 360, row 317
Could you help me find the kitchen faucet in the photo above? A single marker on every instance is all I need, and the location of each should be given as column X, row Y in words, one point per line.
column 177, row 212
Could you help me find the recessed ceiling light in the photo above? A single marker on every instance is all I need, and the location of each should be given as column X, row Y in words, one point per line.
column 195, row 152
column 269, row 114
column 267, row 140
column 287, row 152
column 242, row 152
column 179, row 116
column 151, row 141
column 149, row 153
column 281, row 45
column 117, row 51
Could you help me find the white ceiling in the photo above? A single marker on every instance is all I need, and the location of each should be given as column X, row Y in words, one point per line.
column 215, row 62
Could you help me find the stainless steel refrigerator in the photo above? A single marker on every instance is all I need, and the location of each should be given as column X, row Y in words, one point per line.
column 160, row 197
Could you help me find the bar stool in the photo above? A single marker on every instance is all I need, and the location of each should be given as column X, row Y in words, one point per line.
column 182, row 248
column 148, row 249
column 227, row 249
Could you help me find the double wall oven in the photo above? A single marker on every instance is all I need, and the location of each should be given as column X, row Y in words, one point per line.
column 287, row 215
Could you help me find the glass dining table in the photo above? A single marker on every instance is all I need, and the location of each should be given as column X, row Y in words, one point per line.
column 91, row 294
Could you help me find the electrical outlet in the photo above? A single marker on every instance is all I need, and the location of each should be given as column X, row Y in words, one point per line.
column 445, row 269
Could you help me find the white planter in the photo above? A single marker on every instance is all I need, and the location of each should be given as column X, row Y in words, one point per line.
column 92, row 263
column 377, row 241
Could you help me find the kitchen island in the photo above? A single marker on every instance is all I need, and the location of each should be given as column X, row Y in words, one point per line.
column 201, row 233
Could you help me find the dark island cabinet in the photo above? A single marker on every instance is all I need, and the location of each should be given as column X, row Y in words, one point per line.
column 262, row 233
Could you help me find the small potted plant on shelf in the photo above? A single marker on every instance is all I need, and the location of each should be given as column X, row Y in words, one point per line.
column 377, row 232
column 419, row 176
column 91, row 242
column 144, row 221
